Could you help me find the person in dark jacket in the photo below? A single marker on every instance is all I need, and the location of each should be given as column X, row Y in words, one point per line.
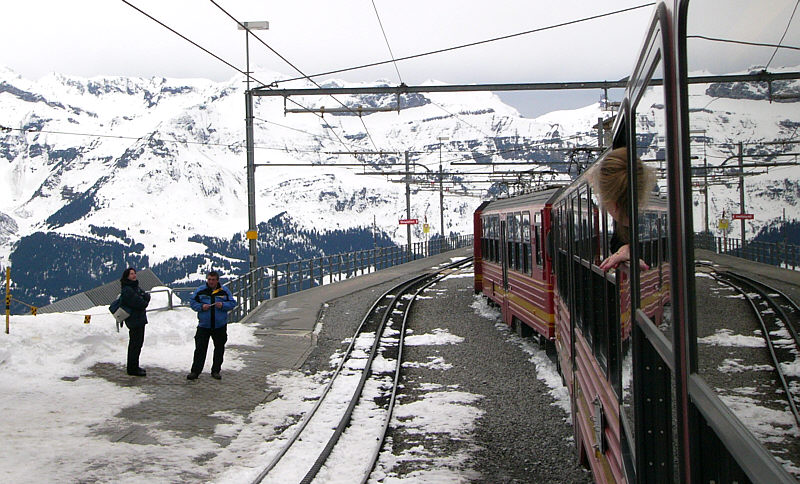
column 212, row 302
column 136, row 300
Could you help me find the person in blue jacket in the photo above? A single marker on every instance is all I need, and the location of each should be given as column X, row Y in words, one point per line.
column 212, row 302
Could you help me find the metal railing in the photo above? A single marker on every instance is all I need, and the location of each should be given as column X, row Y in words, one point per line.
column 267, row 282
column 781, row 255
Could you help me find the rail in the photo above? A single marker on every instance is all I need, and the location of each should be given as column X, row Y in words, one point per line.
column 267, row 282
column 786, row 256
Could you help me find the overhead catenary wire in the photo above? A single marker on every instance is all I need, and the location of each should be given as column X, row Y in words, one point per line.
column 784, row 34
column 742, row 42
column 387, row 41
column 151, row 135
column 470, row 44
column 243, row 26
column 246, row 74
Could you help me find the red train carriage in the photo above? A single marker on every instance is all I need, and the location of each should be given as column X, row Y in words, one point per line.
column 593, row 318
column 626, row 339
column 512, row 267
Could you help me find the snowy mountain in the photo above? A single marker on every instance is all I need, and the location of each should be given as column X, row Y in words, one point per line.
column 103, row 172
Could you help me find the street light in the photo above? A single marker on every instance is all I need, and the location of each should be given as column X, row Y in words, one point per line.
column 247, row 27
column 441, row 190
column 252, row 228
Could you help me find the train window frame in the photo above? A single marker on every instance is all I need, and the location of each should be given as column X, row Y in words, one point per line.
column 517, row 241
column 526, row 242
column 509, row 261
column 537, row 234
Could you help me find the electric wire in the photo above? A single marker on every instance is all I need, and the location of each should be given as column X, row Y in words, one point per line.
column 387, row 41
column 784, row 34
column 126, row 2
column 742, row 42
column 296, row 129
column 460, row 118
column 155, row 138
column 246, row 74
column 471, row 44
column 369, row 135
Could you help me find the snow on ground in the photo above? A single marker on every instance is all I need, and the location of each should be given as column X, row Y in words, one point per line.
column 52, row 407
column 725, row 337
column 51, row 404
column 545, row 369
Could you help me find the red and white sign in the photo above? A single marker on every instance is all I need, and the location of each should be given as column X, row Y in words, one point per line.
column 409, row 221
column 743, row 216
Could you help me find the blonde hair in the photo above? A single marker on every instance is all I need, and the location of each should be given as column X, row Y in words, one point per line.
column 611, row 179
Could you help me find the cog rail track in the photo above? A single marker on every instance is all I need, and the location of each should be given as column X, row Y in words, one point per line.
column 375, row 329
column 779, row 318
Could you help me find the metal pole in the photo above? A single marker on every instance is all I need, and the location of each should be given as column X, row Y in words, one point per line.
column 247, row 56
column 441, row 193
column 600, row 129
column 741, row 192
column 705, row 179
column 408, row 207
column 8, row 296
column 252, row 232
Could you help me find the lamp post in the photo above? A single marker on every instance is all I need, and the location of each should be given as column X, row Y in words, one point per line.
column 252, row 229
column 247, row 27
column 441, row 190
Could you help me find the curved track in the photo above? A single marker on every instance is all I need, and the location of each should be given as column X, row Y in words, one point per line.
column 779, row 318
column 376, row 331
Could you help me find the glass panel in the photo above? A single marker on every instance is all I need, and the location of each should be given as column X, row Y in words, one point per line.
column 526, row 242
column 651, row 198
column 510, row 240
column 538, row 238
column 744, row 137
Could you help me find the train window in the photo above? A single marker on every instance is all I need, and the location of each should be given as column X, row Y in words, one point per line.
column 517, row 241
column 578, row 281
column 597, row 230
column 652, row 202
column 510, row 230
column 526, row 242
column 496, row 238
column 537, row 238
column 484, row 238
column 735, row 126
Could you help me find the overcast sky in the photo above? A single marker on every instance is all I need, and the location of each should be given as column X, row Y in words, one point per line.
column 107, row 37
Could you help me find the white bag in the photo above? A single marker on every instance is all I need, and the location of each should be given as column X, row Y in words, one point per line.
column 121, row 315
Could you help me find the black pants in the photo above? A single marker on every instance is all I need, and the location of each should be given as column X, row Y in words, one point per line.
column 220, row 336
column 135, row 348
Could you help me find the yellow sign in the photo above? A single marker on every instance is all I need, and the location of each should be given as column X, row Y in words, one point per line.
column 252, row 234
column 87, row 318
column 426, row 228
column 724, row 224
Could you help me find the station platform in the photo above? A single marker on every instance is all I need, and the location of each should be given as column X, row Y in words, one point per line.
column 285, row 334
column 786, row 280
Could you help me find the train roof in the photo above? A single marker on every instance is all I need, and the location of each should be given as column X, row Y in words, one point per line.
column 535, row 198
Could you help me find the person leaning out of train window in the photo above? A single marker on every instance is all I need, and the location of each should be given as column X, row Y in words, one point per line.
column 611, row 185
column 136, row 300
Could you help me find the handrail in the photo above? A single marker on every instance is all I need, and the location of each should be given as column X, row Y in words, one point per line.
column 268, row 282
column 777, row 254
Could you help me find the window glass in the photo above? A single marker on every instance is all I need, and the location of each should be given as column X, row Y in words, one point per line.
column 526, row 243
column 739, row 128
column 511, row 229
column 652, row 201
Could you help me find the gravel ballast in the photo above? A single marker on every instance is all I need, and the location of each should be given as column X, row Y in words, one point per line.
column 515, row 432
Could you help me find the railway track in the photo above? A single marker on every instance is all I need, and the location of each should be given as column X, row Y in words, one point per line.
column 379, row 337
column 779, row 318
